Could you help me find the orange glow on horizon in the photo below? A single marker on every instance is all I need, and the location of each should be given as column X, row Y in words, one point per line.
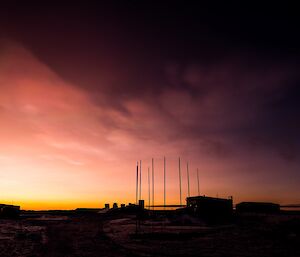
column 61, row 150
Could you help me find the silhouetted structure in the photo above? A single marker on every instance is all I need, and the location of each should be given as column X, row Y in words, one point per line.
column 198, row 181
column 140, row 194
column 137, row 183
column 88, row 210
column 164, row 181
column 9, row 211
column 179, row 173
column 115, row 206
column 210, row 208
column 257, row 207
column 153, row 182
column 141, row 204
column 106, row 206
column 188, row 178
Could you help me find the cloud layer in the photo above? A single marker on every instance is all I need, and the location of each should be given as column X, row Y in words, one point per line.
column 235, row 119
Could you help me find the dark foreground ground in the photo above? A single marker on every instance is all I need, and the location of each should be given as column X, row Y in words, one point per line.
column 96, row 235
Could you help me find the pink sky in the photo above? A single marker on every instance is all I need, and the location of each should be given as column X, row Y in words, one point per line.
column 61, row 149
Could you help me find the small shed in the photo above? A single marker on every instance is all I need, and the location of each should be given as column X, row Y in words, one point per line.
column 257, row 207
column 9, row 211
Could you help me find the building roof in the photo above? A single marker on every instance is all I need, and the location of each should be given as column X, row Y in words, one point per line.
column 200, row 197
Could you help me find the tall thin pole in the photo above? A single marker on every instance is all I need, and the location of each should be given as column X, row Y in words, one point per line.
column 180, row 182
column 164, row 182
column 188, row 178
column 198, row 181
column 153, row 183
column 137, row 182
column 149, row 187
column 140, row 180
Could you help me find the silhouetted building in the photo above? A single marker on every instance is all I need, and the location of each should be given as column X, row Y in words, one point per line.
column 122, row 205
column 115, row 206
column 257, row 207
column 106, row 206
column 141, row 204
column 9, row 211
column 210, row 208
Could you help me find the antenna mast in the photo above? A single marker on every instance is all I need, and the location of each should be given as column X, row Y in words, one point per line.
column 149, row 187
column 180, row 182
column 137, row 182
column 188, row 178
column 153, row 183
column 198, row 181
column 164, row 182
column 140, row 180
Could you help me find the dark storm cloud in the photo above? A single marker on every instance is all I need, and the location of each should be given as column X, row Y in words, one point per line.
column 246, row 105
column 278, row 124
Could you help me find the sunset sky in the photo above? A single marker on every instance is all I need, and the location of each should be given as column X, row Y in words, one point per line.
column 86, row 90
